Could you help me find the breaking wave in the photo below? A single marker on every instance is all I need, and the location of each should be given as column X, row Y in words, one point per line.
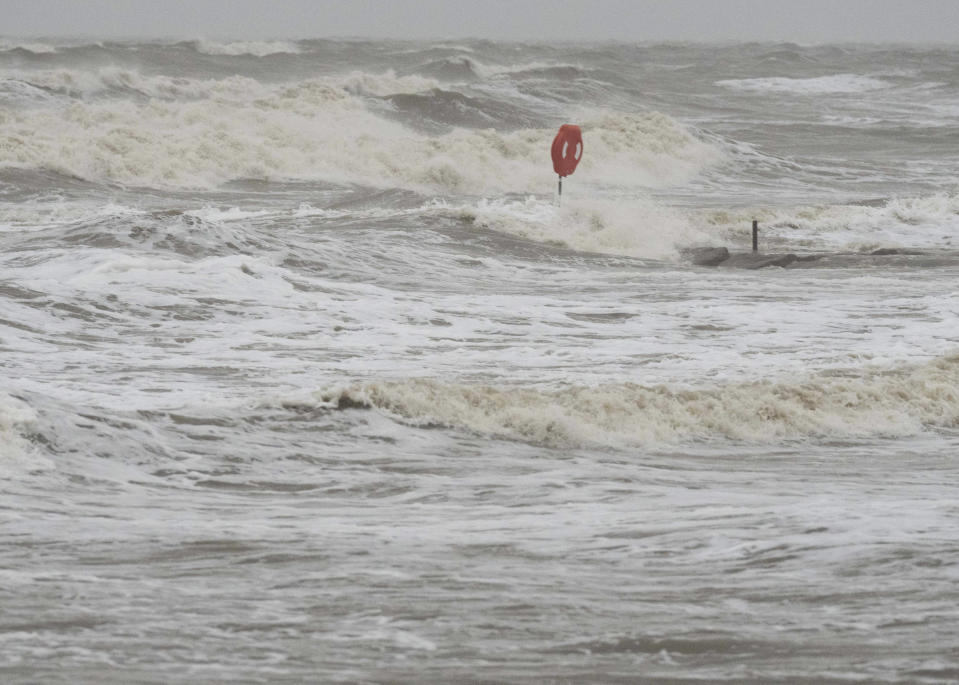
column 632, row 228
column 873, row 403
column 201, row 133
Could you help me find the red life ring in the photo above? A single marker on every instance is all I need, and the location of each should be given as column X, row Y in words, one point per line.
column 567, row 149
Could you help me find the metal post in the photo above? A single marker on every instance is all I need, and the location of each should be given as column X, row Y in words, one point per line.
column 560, row 200
column 755, row 236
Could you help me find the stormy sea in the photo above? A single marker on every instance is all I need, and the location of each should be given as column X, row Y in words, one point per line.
column 308, row 375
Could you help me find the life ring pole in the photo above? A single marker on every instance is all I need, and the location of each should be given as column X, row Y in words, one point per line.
column 566, row 150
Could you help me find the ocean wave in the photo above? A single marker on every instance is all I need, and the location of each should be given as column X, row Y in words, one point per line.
column 195, row 233
column 634, row 228
column 384, row 84
column 821, row 85
column 21, row 216
column 17, row 93
column 119, row 82
column 443, row 109
column 320, row 130
column 450, row 69
column 463, row 69
column 256, row 48
column 536, row 69
column 925, row 222
column 862, row 404
column 45, row 85
column 639, row 227
column 35, row 47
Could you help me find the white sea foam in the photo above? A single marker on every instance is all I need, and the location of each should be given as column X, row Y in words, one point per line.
column 869, row 403
column 822, row 85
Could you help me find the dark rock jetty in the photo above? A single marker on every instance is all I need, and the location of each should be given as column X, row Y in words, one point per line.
column 722, row 257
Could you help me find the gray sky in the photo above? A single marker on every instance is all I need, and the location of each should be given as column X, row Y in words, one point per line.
column 808, row 21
